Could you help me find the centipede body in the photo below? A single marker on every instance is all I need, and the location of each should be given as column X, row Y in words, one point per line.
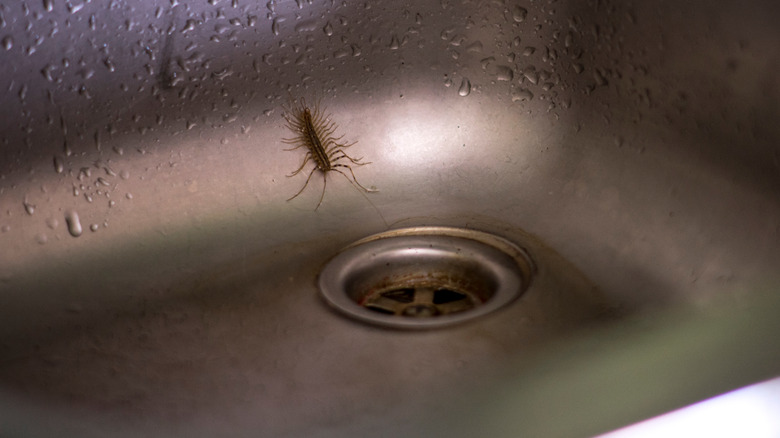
column 315, row 132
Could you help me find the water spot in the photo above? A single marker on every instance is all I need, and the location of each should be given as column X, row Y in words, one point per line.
column 476, row 46
column 465, row 87
column 74, row 225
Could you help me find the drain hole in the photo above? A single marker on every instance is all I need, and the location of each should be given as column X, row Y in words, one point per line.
column 400, row 295
column 422, row 278
column 421, row 301
column 445, row 296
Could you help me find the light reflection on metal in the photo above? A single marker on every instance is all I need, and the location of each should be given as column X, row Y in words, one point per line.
column 751, row 411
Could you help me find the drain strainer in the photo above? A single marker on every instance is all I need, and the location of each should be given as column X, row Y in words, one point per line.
column 425, row 277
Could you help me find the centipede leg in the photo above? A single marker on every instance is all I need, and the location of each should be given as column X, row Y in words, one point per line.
column 343, row 154
column 304, row 185
column 353, row 177
column 305, row 160
column 324, row 184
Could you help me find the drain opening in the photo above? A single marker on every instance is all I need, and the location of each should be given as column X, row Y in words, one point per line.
column 425, row 277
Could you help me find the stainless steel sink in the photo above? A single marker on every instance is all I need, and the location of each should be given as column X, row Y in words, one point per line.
column 155, row 279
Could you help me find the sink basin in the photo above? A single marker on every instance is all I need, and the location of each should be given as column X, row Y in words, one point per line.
column 158, row 273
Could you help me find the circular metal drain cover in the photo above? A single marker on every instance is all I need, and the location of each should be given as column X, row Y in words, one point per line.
column 425, row 277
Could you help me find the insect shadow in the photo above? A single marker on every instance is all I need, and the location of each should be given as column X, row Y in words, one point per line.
column 315, row 132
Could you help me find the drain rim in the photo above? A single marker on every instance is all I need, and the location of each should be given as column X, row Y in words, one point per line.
column 510, row 266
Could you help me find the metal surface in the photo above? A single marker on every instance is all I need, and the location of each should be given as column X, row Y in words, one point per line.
column 155, row 281
column 425, row 277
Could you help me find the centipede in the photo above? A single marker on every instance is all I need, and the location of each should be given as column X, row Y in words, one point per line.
column 315, row 131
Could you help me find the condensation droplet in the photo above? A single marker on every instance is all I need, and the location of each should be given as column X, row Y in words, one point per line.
column 28, row 207
column 522, row 94
column 465, row 87
column 519, row 13
column 73, row 222
column 58, row 166
column 306, row 26
column 504, row 73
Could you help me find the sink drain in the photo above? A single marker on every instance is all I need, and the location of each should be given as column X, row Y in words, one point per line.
column 425, row 277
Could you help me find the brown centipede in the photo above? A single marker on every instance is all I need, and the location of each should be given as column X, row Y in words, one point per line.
column 316, row 132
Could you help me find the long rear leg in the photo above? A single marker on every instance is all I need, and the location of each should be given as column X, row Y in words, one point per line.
column 324, row 184
column 304, row 185
column 305, row 160
column 335, row 154
column 353, row 177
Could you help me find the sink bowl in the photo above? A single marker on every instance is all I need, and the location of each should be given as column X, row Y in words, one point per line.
column 159, row 265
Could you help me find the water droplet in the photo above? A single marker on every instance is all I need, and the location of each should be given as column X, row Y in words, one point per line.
column 521, row 94
column 531, row 75
column 504, row 73
column 275, row 26
column 52, row 223
column 58, row 166
column 328, row 29
column 94, row 227
column 306, row 26
column 74, row 8
column 74, row 225
column 109, row 64
column 41, row 238
column 129, row 195
column 48, row 5
column 47, row 72
column 528, row 51
column 394, row 44
column 8, row 42
column 519, row 13
column 28, row 207
column 465, row 87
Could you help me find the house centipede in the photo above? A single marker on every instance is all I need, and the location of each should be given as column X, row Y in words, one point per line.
column 316, row 132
